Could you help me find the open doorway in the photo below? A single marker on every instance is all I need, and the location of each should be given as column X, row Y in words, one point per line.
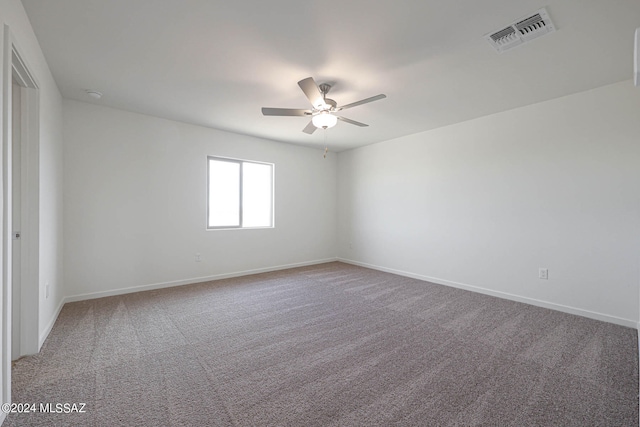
column 21, row 216
column 20, row 97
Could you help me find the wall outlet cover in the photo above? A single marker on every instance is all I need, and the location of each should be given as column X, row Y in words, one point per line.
column 543, row 273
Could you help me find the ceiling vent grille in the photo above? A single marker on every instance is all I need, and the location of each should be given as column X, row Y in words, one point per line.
column 522, row 31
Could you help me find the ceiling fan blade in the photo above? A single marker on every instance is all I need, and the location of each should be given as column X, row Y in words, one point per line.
column 285, row 112
column 353, row 122
column 312, row 91
column 364, row 101
column 310, row 128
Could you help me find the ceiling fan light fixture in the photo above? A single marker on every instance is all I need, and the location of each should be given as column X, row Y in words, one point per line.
column 324, row 120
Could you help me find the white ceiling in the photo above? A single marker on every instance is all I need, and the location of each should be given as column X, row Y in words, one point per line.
column 215, row 63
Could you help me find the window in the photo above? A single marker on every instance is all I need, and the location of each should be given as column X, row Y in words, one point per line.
column 240, row 193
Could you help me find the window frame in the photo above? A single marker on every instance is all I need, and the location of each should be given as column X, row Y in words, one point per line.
column 240, row 193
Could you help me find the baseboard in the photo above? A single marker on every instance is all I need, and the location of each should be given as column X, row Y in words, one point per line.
column 121, row 291
column 505, row 295
column 44, row 334
column 2, row 416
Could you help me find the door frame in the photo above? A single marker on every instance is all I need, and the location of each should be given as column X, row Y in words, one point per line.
column 14, row 65
column 29, row 137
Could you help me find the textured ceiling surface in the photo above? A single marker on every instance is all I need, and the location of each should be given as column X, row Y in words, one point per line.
column 216, row 63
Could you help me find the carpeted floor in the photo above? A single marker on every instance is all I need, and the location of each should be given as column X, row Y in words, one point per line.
column 328, row 345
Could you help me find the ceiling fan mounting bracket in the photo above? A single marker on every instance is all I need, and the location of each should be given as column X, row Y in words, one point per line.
column 324, row 88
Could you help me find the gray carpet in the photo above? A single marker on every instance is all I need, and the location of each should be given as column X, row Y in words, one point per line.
column 328, row 345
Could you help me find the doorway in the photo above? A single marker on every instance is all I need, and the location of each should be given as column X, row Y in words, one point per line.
column 20, row 97
column 22, row 215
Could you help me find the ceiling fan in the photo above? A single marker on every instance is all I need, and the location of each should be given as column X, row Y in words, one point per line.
column 323, row 111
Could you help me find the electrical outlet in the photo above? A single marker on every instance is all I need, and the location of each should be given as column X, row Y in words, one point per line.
column 543, row 273
column 198, row 257
column 46, row 290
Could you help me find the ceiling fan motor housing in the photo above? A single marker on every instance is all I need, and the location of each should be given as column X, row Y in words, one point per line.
column 331, row 103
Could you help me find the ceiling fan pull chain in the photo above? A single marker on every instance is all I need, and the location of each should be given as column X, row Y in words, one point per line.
column 325, row 144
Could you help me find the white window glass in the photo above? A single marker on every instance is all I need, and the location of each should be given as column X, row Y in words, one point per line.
column 256, row 195
column 240, row 194
column 224, row 193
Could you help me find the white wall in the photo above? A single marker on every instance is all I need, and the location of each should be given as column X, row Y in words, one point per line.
column 487, row 202
column 48, row 162
column 135, row 203
column 50, row 205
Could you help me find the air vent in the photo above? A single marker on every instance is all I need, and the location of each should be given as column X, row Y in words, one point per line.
column 522, row 31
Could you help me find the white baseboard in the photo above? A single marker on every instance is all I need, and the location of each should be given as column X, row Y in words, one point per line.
column 45, row 333
column 121, row 291
column 505, row 295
